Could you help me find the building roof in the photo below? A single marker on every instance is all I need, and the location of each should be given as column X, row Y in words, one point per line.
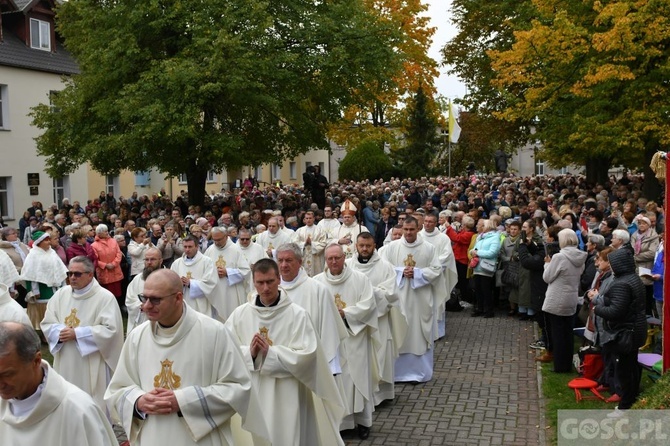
column 15, row 53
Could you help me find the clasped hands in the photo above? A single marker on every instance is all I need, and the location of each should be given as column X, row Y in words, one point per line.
column 158, row 402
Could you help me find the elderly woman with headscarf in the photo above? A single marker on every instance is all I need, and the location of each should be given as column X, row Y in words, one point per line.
column 108, row 269
column 645, row 242
column 44, row 272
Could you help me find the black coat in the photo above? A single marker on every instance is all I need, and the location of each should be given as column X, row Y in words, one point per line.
column 589, row 273
column 624, row 302
column 531, row 257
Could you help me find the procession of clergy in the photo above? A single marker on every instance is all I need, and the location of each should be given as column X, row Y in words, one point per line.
column 287, row 341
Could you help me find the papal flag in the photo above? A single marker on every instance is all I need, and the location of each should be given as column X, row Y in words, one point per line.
column 454, row 128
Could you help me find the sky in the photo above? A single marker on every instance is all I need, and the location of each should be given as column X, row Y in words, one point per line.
column 438, row 11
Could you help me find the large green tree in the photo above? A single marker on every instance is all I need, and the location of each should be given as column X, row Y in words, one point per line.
column 366, row 161
column 416, row 158
column 595, row 76
column 187, row 86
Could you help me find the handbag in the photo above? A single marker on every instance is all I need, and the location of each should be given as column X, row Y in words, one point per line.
column 488, row 265
column 623, row 342
column 510, row 275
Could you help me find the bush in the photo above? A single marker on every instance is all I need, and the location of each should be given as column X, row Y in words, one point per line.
column 368, row 160
column 656, row 396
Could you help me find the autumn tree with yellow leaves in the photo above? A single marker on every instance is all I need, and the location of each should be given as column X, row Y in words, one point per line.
column 595, row 76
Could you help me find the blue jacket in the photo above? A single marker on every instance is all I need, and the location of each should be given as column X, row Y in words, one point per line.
column 488, row 247
column 658, row 269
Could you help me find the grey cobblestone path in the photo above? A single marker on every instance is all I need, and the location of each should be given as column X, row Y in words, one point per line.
column 484, row 391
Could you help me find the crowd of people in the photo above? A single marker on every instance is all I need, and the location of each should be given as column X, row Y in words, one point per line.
column 329, row 294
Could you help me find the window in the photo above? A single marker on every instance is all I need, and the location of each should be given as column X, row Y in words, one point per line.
column 563, row 171
column 276, row 171
column 182, row 178
column 293, row 170
column 60, row 186
column 322, row 165
column 539, row 165
column 258, row 173
column 40, row 35
column 111, row 184
column 4, row 108
column 307, row 164
column 211, row 176
column 143, row 178
column 5, row 197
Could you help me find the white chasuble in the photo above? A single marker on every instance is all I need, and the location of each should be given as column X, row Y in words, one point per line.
column 90, row 360
column 270, row 241
column 201, row 362
column 63, row 415
column 301, row 402
column 10, row 310
column 313, row 258
column 135, row 314
column 329, row 226
column 360, row 375
column 202, row 272
column 319, row 302
column 416, row 294
column 392, row 323
column 231, row 290
column 350, row 232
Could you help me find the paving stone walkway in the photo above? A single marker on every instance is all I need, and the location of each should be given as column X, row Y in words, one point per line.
column 484, row 391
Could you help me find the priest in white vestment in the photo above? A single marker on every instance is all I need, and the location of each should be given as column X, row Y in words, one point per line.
column 181, row 377
column 316, row 299
column 346, row 234
column 84, row 329
column 417, row 266
column 329, row 224
column 37, row 405
column 356, row 303
column 251, row 251
column 282, row 350
column 153, row 260
column 312, row 240
column 232, row 269
column 10, row 310
column 273, row 237
column 8, row 272
column 392, row 323
column 198, row 276
column 447, row 281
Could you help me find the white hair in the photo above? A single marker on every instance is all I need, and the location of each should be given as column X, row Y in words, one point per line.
column 101, row 228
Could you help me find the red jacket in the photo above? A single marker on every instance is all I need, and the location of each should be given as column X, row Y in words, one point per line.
column 107, row 251
column 460, row 244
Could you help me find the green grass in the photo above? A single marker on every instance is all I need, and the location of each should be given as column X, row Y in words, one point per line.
column 558, row 396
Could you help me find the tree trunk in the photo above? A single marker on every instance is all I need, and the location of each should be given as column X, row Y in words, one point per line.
column 597, row 168
column 651, row 188
column 196, row 176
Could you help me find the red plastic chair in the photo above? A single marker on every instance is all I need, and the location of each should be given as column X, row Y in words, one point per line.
column 579, row 384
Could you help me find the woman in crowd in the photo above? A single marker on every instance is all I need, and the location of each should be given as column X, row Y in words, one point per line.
column 622, row 308
column 523, row 294
column 486, row 249
column 79, row 246
column 508, row 253
column 108, row 269
column 170, row 244
column 17, row 251
column 460, row 244
column 645, row 242
column 595, row 330
column 562, row 272
column 531, row 256
column 137, row 248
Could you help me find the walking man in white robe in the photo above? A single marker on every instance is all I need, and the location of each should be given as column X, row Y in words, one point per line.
column 153, row 260
column 312, row 240
column 84, row 329
column 417, row 266
column 447, row 281
column 273, row 237
column 282, row 350
column 181, row 377
column 329, row 223
column 198, row 276
column 232, row 269
column 392, row 323
column 314, row 297
column 356, row 303
column 37, row 405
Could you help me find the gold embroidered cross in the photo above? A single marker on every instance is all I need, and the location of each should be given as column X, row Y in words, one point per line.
column 265, row 333
column 72, row 320
column 167, row 379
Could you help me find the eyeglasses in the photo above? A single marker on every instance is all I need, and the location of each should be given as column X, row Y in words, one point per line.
column 76, row 274
column 244, row 239
column 155, row 301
